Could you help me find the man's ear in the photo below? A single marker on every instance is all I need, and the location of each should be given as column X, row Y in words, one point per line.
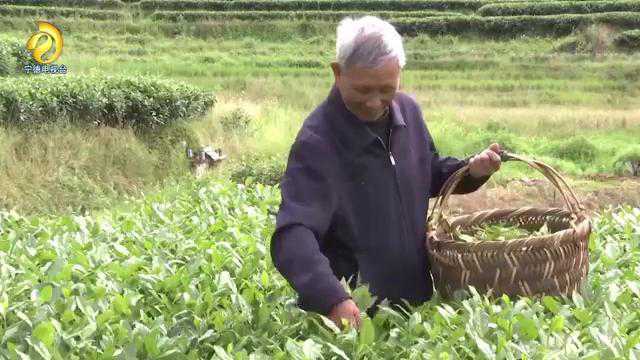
column 336, row 70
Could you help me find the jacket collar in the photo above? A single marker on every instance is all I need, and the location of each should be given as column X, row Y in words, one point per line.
column 351, row 130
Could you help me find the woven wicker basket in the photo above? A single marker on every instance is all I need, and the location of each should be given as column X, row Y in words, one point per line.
column 554, row 264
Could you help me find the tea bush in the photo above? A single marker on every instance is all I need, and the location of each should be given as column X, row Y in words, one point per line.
column 140, row 103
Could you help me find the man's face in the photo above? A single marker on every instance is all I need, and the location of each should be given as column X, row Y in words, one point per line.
column 367, row 92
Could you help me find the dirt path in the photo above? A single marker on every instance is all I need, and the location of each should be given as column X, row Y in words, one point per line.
column 595, row 193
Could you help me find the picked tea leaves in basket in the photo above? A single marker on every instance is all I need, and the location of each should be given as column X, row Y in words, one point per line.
column 515, row 251
column 499, row 232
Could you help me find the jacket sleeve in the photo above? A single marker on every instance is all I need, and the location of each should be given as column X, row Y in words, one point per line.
column 307, row 207
column 443, row 167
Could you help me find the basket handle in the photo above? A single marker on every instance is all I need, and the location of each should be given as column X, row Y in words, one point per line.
column 439, row 207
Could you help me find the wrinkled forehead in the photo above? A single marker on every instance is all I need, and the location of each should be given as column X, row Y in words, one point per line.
column 387, row 74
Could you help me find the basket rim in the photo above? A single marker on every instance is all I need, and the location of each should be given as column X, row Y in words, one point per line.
column 439, row 240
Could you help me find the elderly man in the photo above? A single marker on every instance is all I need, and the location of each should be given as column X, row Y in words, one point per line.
column 359, row 175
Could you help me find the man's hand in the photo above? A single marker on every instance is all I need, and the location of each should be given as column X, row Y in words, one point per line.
column 485, row 163
column 346, row 310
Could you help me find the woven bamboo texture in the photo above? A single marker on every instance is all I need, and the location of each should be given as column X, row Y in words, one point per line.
column 553, row 264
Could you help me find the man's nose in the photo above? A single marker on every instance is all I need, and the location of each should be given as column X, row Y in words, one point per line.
column 374, row 103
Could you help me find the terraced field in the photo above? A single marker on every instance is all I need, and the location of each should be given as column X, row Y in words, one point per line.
column 494, row 18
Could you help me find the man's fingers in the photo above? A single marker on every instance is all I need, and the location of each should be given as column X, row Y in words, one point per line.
column 494, row 157
column 495, row 147
column 346, row 314
column 356, row 317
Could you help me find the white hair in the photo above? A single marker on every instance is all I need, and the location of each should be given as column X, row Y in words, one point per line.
column 367, row 41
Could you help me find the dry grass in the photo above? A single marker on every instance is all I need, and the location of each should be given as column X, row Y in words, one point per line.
column 559, row 120
column 272, row 129
column 594, row 196
column 65, row 169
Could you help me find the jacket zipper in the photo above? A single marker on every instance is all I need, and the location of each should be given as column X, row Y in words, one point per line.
column 391, row 158
column 395, row 176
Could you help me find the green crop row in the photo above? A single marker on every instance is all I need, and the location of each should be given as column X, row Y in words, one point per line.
column 629, row 40
column 277, row 15
column 8, row 10
column 411, row 23
column 100, row 4
column 558, row 7
column 294, row 5
column 509, row 26
column 140, row 103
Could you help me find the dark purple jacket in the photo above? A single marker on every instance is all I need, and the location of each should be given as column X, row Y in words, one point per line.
column 350, row 206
